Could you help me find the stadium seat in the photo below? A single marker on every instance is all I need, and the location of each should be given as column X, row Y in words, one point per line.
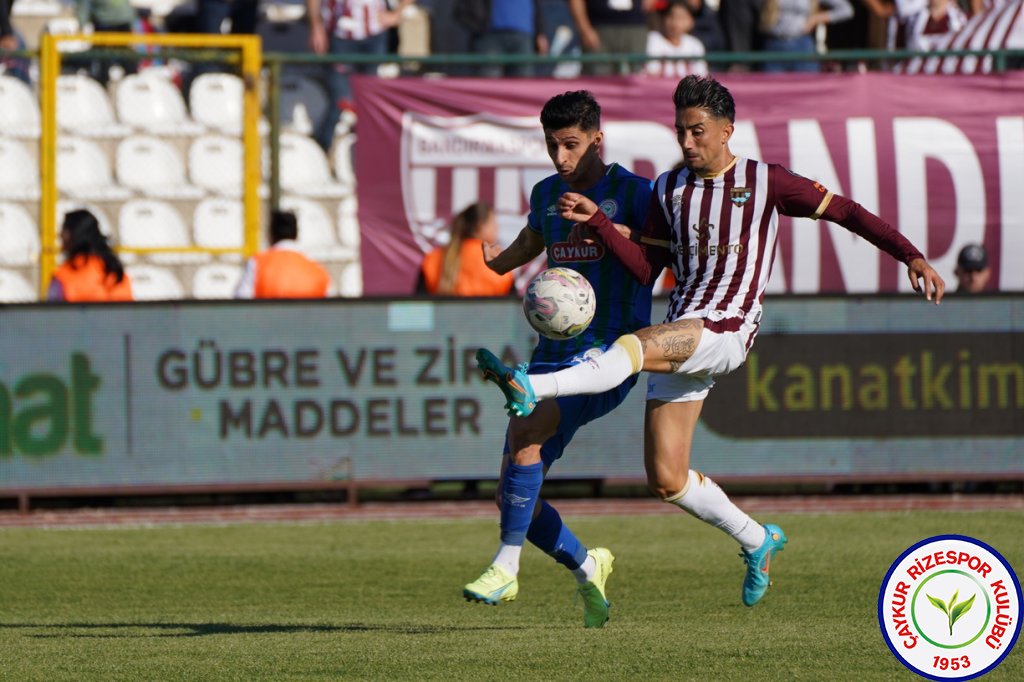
column 154, row 167
column 67, row 26
column 215, row 164
column 19, row 236
column 341, row 159
column 150, row 283
column 151, row 102
column 19, row 110
column 304, row 102
column 83, row 171
column 217, row 280
column 149, row 224
column 350, row 283
column 304, row 169
column 316, row 230
column 348, row 222
column 216, row 102
column 14, row 288
column 218, row 223
column 19, row 174
column 83, row 108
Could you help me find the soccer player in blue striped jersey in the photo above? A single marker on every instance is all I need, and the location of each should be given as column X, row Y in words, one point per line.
column 572, row 131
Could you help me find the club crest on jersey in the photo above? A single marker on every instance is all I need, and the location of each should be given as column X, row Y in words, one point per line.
column 609, row 207
column 703, row 230
column 739, row 195
column 564, row 252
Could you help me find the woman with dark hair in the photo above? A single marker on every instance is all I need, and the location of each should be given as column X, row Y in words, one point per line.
column 458, row 269
column 91, row 272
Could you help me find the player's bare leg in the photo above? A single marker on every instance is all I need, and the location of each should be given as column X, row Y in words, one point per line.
column 667, row 346
column 668, row 439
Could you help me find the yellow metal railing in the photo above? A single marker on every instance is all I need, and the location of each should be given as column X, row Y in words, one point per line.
column 250, row 62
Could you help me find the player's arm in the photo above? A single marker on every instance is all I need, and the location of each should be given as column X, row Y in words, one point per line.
column 644, row 259
column 527, row 246
column 799, row 197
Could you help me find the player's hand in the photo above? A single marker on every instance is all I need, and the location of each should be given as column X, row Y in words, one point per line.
column 490, row 251
column 925, row 280
column 626, row 232
column 576, row 207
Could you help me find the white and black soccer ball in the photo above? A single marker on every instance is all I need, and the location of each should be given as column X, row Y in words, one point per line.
column 559, row 303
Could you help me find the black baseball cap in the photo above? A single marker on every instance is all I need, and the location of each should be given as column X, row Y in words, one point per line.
column 973, row 257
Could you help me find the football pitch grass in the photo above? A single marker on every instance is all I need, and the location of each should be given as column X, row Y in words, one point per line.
column 382, row 600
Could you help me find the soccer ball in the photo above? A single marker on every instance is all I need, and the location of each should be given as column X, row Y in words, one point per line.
column 559, row 303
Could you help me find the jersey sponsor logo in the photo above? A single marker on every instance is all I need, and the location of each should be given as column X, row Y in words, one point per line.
column 609, row 207
column 740, row 195
column 564, row 252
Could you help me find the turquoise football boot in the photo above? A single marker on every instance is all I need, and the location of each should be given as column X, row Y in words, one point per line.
column 758, row 562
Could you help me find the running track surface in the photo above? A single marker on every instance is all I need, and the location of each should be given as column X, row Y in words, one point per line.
column 291, row 513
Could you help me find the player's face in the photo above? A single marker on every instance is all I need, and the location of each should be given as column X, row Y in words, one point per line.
column 576, row 154
column 703, row 139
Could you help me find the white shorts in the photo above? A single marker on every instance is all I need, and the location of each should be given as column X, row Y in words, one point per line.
column 718, row 353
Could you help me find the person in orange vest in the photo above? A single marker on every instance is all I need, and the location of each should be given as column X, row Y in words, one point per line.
column 459, row 269
column 283, row 271
column 91, row 271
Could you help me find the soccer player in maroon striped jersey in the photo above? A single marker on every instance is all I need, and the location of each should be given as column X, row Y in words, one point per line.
column 714, row 220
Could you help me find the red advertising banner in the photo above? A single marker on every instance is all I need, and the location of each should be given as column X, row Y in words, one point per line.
column 939, row 157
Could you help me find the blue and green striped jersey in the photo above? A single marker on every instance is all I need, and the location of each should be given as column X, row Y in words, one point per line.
column 623, row 304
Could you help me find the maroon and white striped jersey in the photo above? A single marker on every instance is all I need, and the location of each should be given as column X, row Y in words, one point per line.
column 718, row 234
column 354, row 19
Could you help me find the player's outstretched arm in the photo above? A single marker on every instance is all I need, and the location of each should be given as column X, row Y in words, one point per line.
column 527, row 246
column 925, row 280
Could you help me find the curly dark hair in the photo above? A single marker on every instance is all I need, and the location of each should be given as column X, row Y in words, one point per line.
column 575, row 108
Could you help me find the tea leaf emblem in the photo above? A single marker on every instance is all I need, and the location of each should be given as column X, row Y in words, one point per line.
column 953, row 611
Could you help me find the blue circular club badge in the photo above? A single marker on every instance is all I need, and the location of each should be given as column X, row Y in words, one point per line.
column 949, row 608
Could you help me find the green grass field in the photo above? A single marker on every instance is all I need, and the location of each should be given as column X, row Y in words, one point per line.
column 382, row 600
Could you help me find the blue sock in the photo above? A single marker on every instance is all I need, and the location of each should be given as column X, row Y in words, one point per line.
column 550, row 534
column 520, row 489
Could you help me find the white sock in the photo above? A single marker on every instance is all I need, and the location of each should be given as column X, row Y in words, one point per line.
column 585, row 573
column 622, row 360
column 704, row 499
column 508, row 558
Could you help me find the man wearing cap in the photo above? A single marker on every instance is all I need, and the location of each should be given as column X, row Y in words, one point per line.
column 972, row 270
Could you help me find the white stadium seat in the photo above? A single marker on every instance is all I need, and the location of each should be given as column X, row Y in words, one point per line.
column 341, row 159
column 216, row 102
column 19, row 236
column 150, row 283
column 215, row 164
column 83, row 171
column 19, row 110
column 304, row 169
column 350, row 283
column 154, row 167
column 219, row 223
column 14, row 288
column 149, row 224
column 217, row 280
column 304, row 102
column 19, row 174
column 316, row 230
column 348, row 222
column 151, row 102
column 83, row 108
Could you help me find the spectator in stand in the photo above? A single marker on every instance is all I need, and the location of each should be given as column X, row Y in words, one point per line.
column 927, row 27
column 91, row 272
column 789, row 26
column 611, row 27
column 348, row 27
column 283, row 271
column 460, row 268
column 972, row 269
column 707, row 27
column 674, row 40
column 107, row 16
column 11, row 40
column 503, row 27
column 242, row 13
column 896, row 28
column 739, row 22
